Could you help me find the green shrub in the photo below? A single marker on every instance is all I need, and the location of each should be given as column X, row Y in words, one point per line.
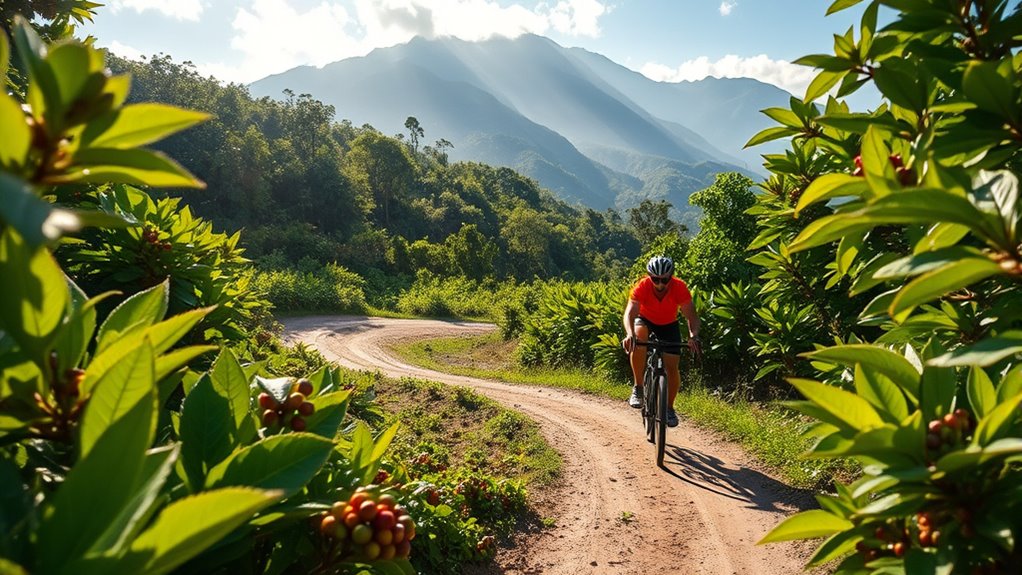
column 329, row 289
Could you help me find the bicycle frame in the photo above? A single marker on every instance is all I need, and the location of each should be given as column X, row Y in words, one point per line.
column 655, row 397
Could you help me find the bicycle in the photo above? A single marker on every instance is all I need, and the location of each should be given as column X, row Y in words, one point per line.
column 655, row 396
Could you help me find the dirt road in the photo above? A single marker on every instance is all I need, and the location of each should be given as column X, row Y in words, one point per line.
column 615, row 511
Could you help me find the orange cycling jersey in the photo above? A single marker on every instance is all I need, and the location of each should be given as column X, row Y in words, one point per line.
column 657, row 310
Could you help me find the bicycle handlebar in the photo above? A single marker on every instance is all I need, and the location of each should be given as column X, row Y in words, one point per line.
column 662, row 345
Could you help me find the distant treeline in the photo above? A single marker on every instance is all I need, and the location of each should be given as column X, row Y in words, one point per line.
column 307, row 188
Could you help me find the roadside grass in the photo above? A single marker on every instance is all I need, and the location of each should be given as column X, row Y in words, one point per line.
column 773, row 434
column 466, row 431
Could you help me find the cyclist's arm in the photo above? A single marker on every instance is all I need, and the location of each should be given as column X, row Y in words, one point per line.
column 694, row 325
column 628, row 319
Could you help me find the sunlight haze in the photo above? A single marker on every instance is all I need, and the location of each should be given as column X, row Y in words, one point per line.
column 666, row 40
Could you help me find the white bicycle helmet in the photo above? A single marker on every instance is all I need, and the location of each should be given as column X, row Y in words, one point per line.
column 660, row 266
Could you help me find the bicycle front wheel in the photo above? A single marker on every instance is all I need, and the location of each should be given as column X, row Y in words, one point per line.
column 661, row 419
column 649, row 407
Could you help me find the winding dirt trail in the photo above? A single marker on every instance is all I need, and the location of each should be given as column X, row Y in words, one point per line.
column 615, row 510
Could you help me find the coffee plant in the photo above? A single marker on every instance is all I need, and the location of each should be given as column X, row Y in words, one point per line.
column 115, row 456
column 917, row 207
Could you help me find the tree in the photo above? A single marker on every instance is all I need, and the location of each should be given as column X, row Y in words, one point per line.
column 414, row 132
column 717, row 254
column 652, row 219
column 382, row 166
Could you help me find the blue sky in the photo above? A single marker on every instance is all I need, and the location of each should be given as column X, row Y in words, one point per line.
column 668, row 40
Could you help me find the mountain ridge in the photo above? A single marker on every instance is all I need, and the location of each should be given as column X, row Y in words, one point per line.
column 592, row 131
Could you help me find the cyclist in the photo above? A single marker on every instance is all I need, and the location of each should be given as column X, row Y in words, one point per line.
column 653, row 308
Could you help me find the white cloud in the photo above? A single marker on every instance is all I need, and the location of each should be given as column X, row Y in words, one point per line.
column 124, row 51
column 273, row 36
column 177, row 9
column 726, row 8
column 791, row 77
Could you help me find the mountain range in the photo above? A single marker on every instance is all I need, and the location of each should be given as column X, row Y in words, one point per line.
column 592, row 131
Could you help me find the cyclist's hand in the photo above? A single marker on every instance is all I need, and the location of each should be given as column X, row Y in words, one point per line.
column 695, row 346
column 628, row 343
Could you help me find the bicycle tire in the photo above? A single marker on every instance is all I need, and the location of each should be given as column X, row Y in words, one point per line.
column 649, row 407
column 661, row 419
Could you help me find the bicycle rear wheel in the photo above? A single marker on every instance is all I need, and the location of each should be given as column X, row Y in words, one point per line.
column 661, row 419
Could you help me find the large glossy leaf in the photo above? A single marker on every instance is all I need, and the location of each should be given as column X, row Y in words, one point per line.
column 76, row 334
column 122, row 388
column 136, row 514
column 285, row 462
column 982, row 395
column 162, row 335
column 845, row 406
column 884, row 361
column 36, row 220
column 920, row 263
column 207, row 431
column 230, row 382
column 807, row 525
column 35, row 294
column 997, row 422
column 831, row 186
column 993, row 88
column 135, row 166
column 139, row 124
column 770, row 134
column 329, row 415
column 96, row 490
column 71, row 63
column 189, row 526
column 951, row 277
column 170, row 362
column 877, row 389
column 137, row 312
column 983, row 353
column 17, row 136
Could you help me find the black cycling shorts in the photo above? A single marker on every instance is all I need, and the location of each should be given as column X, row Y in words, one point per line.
column 670, row 332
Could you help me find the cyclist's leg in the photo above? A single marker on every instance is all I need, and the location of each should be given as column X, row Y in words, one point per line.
column 671, row 363
column 638, row 355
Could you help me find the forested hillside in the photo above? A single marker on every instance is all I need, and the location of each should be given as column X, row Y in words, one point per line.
column 305, row 187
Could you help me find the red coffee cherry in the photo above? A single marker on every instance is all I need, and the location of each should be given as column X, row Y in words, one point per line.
column 304, row 387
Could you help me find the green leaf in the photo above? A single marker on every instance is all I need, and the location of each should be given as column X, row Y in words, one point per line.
column 17, row 135
column 121, row 389
column 823, row 82
column 898, row 80
column 877, row 389
column 829, row 186
column 997, row 422
column 770, row 134
column 941, row 236
column 926, row 262
column 985, row 84
column 285, row 462
column 76, row 334
column 884, row 361
column 806, row 525
column 206, row 431
column 840, row 5
column 951, row 277
column 189, row 526
column 36, row 220
column 1011, row 384
column 135, row 166
column 982, row 395
column 135, row 313
column 845, row 406
column 71, row 64
column 229, row 381
column 138, row 125
column 783, row 116
column 983, row 353
column 380, row 447
column 96, row 490
column 35, row 295
column 168, row 363
column 162, row 335
column 329, row 415
column 135, row 515
column 5, row 54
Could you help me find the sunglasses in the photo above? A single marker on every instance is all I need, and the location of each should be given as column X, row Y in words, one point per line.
column 664, row 280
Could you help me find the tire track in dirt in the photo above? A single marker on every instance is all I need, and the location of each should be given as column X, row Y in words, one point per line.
column 615, row 511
